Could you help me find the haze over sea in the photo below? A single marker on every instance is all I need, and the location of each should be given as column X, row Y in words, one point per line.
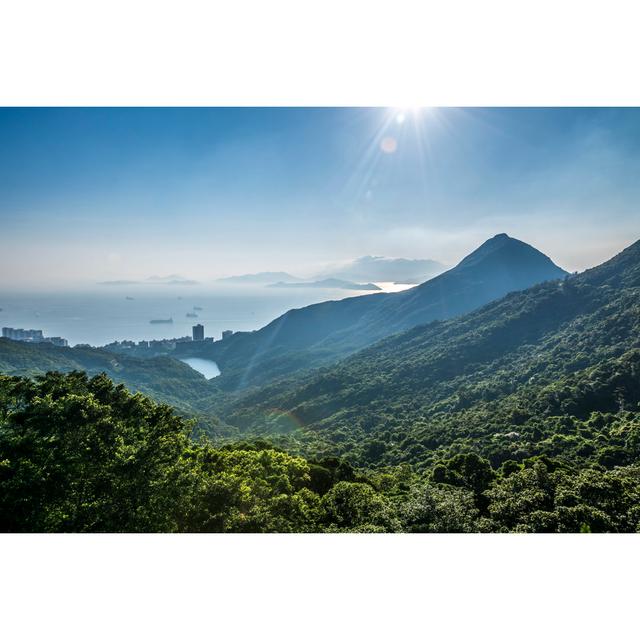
column 104, row 314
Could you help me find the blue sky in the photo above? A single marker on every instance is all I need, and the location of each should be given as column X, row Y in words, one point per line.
column 96, row 194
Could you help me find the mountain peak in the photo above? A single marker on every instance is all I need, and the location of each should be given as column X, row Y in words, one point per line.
column 501, row 239
column 509, row 252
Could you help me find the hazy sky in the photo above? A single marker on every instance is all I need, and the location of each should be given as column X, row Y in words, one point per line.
column 99, row 194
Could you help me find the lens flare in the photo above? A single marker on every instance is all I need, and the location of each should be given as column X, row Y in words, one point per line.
column 389, row 144
column 283, row 421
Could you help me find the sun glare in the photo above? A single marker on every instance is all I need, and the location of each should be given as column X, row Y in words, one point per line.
column 404, row 113
column 401, row 130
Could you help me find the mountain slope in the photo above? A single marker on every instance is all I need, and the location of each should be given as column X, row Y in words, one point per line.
column 509, row 380
column 499, row 266
column 324, row 332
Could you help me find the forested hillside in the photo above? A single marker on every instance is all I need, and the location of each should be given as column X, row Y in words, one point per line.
column 326, row 332
column 553, row 370
column 164, row 379
column 84, row 455
column 521, row 416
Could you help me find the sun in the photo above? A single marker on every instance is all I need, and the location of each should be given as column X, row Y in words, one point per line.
column 401, row 114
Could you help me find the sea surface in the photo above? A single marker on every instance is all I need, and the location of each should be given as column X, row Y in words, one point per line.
column 107, row 313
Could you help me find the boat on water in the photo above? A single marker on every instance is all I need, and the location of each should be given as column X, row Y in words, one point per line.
column 197, row 308
column 162, row 321
column 128, row 298
column 192, row 315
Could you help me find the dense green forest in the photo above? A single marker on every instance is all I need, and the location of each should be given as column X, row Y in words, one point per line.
column 521, row 416
column 82, row 454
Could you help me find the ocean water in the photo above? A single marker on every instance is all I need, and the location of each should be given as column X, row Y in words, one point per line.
column 102, row 315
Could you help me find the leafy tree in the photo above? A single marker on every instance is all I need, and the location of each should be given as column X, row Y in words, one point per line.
column 514, row 500
column 467, row 470
column 349, row 506
column 82, row 454
column 437, row 509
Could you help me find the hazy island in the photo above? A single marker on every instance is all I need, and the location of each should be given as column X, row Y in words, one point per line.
column 328, row 283
column 264, row 277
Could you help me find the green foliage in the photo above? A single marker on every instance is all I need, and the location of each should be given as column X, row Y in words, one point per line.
column 437, row 509
column 84, row 454
column 537, row 500
column 350, row 506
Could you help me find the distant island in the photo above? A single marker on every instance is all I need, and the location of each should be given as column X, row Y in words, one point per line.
column 328, row 283
column 162, row 321
column 173, row 279
column 119, row 283
column 264, row 277
column 364, row 269
column 381, row 269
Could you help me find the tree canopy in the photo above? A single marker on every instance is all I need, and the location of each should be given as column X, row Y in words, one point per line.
column 84, row 454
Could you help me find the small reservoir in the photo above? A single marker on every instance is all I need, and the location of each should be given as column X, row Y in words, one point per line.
column 208, row 368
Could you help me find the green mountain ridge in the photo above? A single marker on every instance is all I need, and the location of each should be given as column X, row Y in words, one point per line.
column 526, row 364
column 325, row 332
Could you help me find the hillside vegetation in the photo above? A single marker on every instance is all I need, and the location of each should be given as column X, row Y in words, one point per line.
column 84, row 455
column 551, row 370
column 164, row 379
